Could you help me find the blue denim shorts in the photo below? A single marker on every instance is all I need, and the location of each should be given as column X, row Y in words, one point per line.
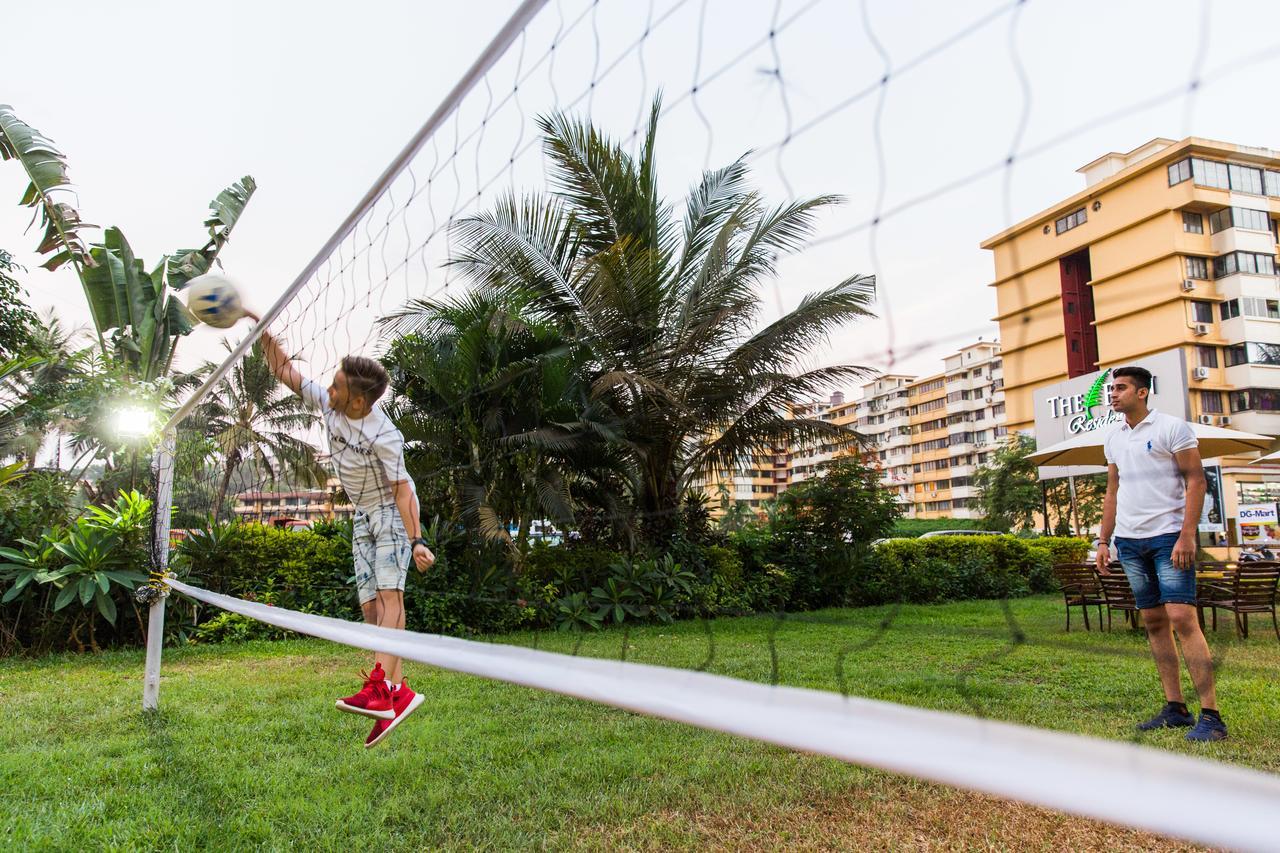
column 1148, row 563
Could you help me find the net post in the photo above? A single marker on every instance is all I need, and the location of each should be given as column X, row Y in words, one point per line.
column 155, row 592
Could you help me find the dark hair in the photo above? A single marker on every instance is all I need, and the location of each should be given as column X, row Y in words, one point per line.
column 365, row 377
column 1140, row 375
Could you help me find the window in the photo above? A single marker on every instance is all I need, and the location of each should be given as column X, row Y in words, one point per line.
column 1230, row 309
column 1245, row 262
column 1253, row 352
column 1179, row 172
column 1198, row 268
column 1210, row 173
column 1202, row 311
column 1263, row 353
column 1192, row 223
column 1239, row 217
column 1268, row 309
column 1071, row 220
column 929, row 386
column 1272, row 180
column 1211, row 402
column 997, row 409
column 1207, row 356
column 1256, row 400
column 1245, row 179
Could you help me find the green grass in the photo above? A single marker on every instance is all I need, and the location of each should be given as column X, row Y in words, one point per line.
column 249, row 753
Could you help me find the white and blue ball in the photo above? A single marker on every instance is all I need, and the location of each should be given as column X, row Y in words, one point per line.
column 214, row 299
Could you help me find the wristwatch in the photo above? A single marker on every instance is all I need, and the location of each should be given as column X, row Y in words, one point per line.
column 419, row 541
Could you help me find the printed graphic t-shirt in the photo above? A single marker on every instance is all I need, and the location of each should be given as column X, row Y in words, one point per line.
column 367, row 453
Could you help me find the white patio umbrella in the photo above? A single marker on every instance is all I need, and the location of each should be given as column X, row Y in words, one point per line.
column 1270, row 457
column 1086, row 448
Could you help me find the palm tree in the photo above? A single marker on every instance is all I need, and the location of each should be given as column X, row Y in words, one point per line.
column 667, row 306
column 44, row 388
column 252, row 419
column 494, row 403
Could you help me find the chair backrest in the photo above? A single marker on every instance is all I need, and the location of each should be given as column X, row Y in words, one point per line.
column 1116, row 589
column 1255, row 583
column 1076, row 577
column 1216, row 565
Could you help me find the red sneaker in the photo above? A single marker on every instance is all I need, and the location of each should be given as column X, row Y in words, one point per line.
column 406, row 702
column 373, row 700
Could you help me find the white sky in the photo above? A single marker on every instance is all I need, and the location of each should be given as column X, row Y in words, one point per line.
column 160, row 105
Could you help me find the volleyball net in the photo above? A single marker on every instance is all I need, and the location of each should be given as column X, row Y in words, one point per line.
column 770, row 105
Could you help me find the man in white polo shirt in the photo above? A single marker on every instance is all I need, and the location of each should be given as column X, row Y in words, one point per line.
column 1155, row 491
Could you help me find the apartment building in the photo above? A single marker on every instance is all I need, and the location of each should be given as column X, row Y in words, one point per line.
column 808, row 462
column 927, row 435
column 284, row 508
column 883, row 419
column 1168, row 253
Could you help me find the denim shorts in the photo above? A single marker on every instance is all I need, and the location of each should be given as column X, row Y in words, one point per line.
column 380, row 545
column 1148, row 563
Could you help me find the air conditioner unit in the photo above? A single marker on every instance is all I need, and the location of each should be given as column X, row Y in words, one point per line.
column 1200, row 373
column 1225, row 420
column 1201, row 329
column 1188, row 285
column 1206, row 419
column 990, row 399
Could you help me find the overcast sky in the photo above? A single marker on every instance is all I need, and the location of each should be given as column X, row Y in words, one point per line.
column 160, row 105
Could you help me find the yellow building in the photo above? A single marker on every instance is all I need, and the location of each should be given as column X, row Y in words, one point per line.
column 1170, row 246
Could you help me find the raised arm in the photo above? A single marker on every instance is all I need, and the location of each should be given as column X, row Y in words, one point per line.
column 280, row 363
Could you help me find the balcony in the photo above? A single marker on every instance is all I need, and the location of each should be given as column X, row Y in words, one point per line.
column 1261, row 423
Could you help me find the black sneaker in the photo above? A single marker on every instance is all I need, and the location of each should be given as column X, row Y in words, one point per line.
column 1170, row 717
column 1208, row 728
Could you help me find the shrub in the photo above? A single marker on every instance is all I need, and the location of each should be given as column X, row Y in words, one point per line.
column 302, row 570
column 34, row 503
column 954, row 568
column 67, row 586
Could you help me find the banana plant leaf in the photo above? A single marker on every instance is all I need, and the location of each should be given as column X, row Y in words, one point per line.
column 46, row 167
column 224, row 212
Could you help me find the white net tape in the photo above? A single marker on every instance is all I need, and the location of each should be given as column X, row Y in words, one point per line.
column 1118, row 782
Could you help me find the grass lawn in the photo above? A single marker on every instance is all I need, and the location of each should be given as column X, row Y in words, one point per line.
column 248, row 751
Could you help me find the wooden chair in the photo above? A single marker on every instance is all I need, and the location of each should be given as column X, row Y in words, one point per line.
column 1118, row 595
column 1209, row 590
column 1080, row 588
column 1252, row 589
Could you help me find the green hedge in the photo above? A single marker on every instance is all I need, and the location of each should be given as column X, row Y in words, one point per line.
column 955, row 568
column 475, row 589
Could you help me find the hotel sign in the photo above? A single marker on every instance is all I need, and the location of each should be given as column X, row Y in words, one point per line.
column 1066, row 409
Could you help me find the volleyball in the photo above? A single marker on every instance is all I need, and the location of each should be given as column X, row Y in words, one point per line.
column 214, row 299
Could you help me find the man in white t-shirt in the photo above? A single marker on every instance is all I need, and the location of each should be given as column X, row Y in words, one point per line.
column 367, row 452
column 1155, row 492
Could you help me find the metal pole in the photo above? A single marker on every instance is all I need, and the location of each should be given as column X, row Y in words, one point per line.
column 1075, row 515
column 159, row 566
column 497, row 47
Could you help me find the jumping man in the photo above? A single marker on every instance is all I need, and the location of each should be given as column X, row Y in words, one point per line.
column 368, row 452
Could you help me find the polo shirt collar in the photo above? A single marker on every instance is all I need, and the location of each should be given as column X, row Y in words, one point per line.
column 1151, row 416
